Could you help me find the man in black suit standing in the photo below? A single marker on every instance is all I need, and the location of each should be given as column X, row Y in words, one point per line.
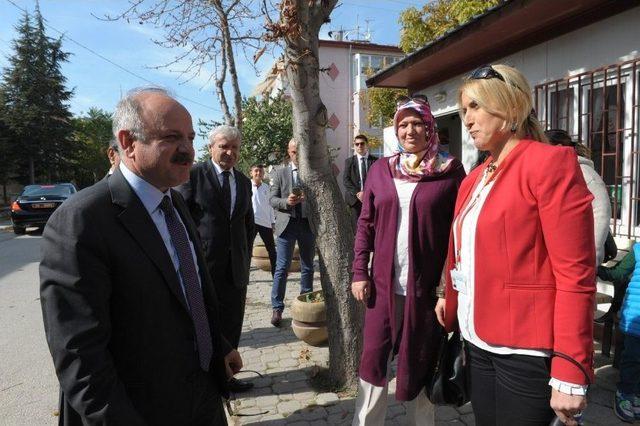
column 355, row 174
column 219, row 199
column 130, row 311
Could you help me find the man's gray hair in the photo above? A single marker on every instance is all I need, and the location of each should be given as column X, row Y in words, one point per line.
column 128, row 113
column 230, row 133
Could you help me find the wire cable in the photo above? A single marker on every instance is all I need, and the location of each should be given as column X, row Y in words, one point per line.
column 104, row 58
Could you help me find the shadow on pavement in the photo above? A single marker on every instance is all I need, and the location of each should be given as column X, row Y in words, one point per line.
column 268, row 336
column 18, row 251
column 288, row 386
column 335, row 413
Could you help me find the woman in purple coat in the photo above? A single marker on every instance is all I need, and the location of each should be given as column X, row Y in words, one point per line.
column 407, row 209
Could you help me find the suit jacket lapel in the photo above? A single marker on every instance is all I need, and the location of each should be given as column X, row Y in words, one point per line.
column 240, row 193
column 136, row 220
column 212, row 176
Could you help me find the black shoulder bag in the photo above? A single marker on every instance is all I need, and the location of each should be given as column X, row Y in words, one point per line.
column 450, row 383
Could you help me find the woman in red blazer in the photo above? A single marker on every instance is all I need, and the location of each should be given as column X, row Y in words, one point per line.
column 521, row 279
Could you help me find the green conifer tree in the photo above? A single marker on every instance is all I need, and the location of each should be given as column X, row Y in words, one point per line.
column 35, row 105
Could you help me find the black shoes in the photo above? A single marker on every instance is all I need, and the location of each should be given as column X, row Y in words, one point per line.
column 237, row 386
column 276, row 318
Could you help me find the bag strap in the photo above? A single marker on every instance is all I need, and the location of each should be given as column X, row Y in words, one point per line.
column 574, row 362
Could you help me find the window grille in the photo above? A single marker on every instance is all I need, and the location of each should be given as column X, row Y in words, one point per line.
column 600, row 109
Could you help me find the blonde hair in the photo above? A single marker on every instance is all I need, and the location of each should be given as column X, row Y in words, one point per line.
column 509, row 99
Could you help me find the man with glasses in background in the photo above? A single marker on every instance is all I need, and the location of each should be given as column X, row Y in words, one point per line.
column 355, row 175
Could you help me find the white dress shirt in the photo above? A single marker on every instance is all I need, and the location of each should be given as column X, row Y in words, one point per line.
column 262, row 211
column 401, row 257
column 232, row 183
column 359, row 158
column 151, row 197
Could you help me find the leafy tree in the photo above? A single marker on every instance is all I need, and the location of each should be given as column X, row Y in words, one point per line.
column 267, row 129
column 35, row 104
column 268, row 126
column 421, row 26
column 380, row 105
column 91, row 134
column 6, row 160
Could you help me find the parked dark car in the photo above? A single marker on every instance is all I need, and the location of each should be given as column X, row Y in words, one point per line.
column 36, row 203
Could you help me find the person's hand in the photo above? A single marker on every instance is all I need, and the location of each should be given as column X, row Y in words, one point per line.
column 440, row 310
column 293, row 199
column 360, row 290
column 233, row 363
column 359, row 196
column 566, row 406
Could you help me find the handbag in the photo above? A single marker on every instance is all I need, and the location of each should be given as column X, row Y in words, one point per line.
column 610, row 248
column 450, row 382
column 556, row 420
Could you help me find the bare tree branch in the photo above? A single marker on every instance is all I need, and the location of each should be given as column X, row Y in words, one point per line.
column 203, row 33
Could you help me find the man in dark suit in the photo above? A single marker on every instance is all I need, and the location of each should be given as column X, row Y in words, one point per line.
column 355, row 174
column 292, row 224
column 219, row 199
column 130, row 312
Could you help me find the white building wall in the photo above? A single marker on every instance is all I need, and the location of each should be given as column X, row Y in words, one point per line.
column 342, row 99
column 615, row 39
column 336, row 96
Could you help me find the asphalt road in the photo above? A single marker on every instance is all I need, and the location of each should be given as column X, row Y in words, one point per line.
column 28, row 386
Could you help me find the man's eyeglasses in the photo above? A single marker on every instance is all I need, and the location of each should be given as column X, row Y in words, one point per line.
column 419, row 99
column 359, row 143
column 485, row 72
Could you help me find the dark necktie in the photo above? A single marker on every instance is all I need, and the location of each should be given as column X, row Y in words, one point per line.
column 363, row 172
column 296, row 183
column 226, row 191
column 190, row 282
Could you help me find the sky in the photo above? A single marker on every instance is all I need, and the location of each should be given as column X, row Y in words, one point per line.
column 109, row 58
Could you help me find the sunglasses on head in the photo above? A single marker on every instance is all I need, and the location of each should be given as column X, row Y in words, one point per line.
column 419, row 99
column 485, row 72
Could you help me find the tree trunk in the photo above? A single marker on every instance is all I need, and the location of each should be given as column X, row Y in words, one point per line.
column 219, row 78
column 231, row 62
column 228, row 59
column 330, row 220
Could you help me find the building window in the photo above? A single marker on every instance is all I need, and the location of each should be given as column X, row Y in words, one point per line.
column 600, row 108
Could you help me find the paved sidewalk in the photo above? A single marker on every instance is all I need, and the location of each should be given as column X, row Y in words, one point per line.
column 285, row 394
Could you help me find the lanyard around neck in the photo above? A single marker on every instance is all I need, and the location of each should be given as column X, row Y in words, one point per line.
column 466, row 208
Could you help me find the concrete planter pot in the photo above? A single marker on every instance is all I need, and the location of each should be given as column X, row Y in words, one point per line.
column 260, row 259
column 309, row 319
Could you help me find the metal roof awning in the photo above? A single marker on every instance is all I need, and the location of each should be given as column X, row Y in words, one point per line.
column 507, row 28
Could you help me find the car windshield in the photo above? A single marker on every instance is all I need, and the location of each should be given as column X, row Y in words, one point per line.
column 32, row 190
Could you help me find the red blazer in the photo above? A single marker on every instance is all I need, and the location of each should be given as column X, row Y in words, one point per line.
column 535, row 257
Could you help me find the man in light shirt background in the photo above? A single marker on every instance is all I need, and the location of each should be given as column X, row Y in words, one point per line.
column 263, row 214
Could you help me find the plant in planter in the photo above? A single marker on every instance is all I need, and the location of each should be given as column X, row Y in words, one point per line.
column 309, row 318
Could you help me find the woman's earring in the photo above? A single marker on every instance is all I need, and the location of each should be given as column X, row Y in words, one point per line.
column 514, row 127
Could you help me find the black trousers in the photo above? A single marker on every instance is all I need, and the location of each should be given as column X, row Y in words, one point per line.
column 231, row 303
column 355, row 214
column 266, row 234
column 509, row 389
